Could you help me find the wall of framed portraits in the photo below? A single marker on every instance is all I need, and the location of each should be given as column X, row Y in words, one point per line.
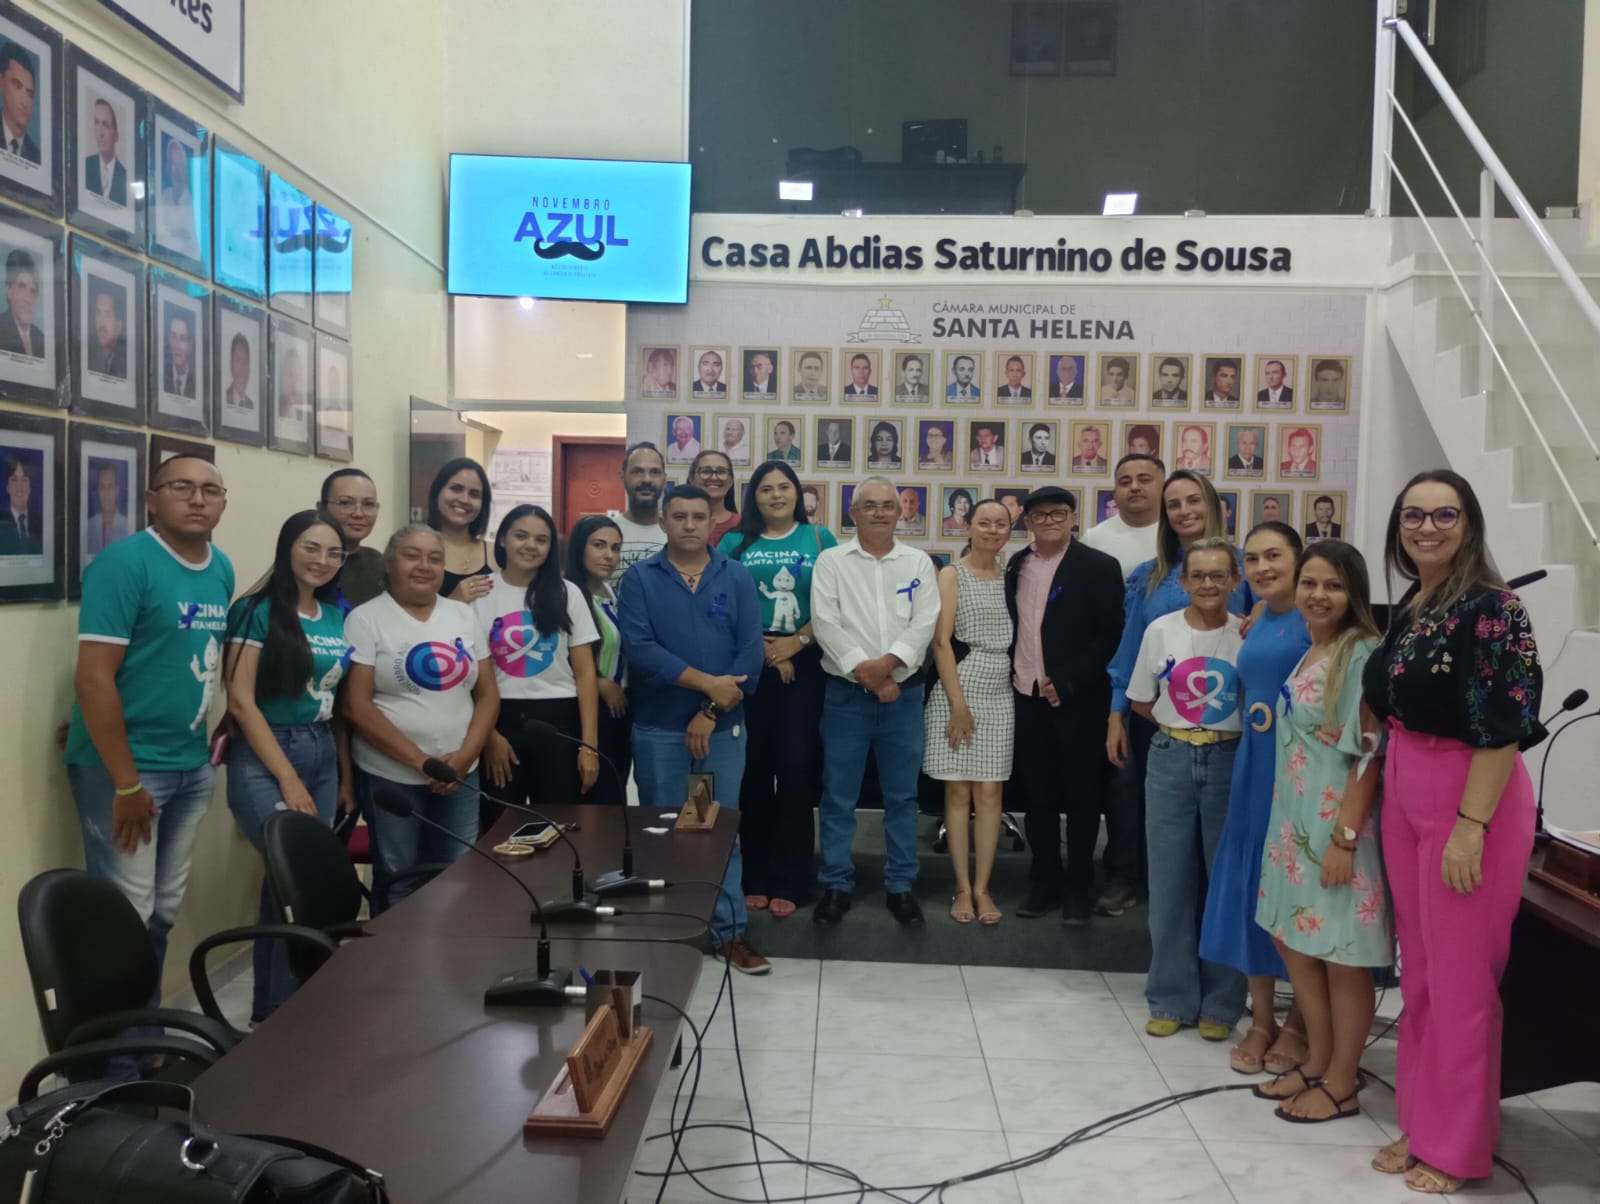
column 156, row 304
column 929, row 387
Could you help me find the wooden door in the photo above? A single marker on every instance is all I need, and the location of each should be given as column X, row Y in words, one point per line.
column 586, row 476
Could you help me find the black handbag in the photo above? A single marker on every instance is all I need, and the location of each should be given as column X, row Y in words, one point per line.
column 78, row 1146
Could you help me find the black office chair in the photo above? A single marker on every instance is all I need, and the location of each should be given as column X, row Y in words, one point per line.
column 315, row 884
column 93, row 974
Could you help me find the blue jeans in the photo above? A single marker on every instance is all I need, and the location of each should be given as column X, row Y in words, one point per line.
column 398, row 841
column 154, row 875
column 661, row 767
column 253, row 795
column 1186, row 801
column 853, row 723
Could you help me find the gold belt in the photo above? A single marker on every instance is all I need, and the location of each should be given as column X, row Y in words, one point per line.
column 1198, row 735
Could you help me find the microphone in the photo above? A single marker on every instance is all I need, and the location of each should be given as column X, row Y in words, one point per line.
column 579, row 907
column 1571, row 702
column 1529, row 579
column 539, row 987
column 613, row 882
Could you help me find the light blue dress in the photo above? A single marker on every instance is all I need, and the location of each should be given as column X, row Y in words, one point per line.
column 1230, row 934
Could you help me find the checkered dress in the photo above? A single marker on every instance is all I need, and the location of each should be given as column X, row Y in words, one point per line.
column 984, row 624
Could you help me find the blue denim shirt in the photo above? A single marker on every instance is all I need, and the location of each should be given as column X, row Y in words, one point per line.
column 1140, row 608
column 667, row 628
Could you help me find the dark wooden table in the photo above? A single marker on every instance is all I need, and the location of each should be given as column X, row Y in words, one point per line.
column 1550, row 991
column 471, row 899
column 389, row 1057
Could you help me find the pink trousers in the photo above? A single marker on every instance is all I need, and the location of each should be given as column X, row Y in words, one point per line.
column 1453, row 949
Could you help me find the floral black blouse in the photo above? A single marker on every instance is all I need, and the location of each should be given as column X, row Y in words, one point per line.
column 1472, row 675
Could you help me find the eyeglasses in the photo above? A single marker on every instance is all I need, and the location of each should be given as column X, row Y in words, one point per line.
column 184, row 490
column 1445, row 517
column 364, row 505
column 1049, row 517
column 877, row 507
column 1208, row 578
column 315, row 551
column 714, row 473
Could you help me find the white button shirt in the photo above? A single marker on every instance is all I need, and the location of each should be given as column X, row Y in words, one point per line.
column 864, row 607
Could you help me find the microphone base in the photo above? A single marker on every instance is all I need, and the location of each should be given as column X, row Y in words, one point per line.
column 1541, row 838
column 527, row 988
column 618, row 884
column 567, row 911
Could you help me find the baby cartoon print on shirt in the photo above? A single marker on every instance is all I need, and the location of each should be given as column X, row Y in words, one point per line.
column 207, row 677
column 785, row 605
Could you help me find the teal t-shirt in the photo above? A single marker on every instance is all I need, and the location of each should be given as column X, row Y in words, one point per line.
column 171, row 616
column 782, row 570
column 330, row 658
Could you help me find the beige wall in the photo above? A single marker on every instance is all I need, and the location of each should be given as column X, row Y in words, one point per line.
column 330, row 87
column 555, row 351
column 1589, row 118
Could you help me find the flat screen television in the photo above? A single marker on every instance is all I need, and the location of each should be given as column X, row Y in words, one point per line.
column 571, row 229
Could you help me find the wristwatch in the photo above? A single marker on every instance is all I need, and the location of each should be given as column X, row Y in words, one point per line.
column 805, row 640
column 709, row 710
column 1345, row 838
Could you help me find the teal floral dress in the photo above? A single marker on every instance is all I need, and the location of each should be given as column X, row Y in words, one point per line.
column 1347, row 924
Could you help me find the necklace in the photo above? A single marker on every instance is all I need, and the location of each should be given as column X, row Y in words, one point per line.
column 1219, row 637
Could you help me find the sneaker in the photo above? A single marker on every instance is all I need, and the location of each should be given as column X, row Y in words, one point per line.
column 743, row 958
column 1117, row 899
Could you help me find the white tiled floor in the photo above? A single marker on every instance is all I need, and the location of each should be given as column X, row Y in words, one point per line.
column 907, row 1075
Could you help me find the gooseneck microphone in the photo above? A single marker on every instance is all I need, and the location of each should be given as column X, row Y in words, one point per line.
column 613, row 882
column 580, row 906
column 540, row 987
column 1529, row 579
column 1571, row 702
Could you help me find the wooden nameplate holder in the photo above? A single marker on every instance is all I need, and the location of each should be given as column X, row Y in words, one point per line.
column 699, row 812
column 583, row 1099
column 1573, row 871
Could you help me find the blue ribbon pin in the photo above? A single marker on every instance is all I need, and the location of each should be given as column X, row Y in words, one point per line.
column 341, row 601
column 1288, row 700
column 1172, row 663
column 463, row 657
column 190, row 613
column 719, row 607
column 910, row 590
column 349, row 654
column 1055, row 592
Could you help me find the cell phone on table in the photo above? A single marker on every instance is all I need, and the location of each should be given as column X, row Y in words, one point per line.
column 537, row 834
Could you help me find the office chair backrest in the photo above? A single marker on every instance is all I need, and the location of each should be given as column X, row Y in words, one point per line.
column 87, row 950
column 312, row 878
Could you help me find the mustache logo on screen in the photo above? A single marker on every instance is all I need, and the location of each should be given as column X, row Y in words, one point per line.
column 560, row 250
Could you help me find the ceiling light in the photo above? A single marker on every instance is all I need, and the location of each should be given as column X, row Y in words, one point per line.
column 794, row 190
column 1120, row 204
column 525, row 302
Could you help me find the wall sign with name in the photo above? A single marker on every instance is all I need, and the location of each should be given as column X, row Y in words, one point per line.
column 208, row 35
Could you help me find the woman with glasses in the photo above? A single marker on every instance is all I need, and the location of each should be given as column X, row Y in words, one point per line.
column 541, row 636
column 970, row 714
column 458, row 509
column 415, row 693
column 713, row 472
column 1185, row 681
column 350, row 496
column 594, row 549
column 286, row 654
column 778, row 545
column 1456, row 683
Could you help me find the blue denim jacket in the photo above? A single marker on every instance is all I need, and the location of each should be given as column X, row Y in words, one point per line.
column 1140, row 608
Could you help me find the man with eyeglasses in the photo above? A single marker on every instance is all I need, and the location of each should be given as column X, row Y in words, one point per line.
column 150, row 631
column 874, row 603
column 1065, row 600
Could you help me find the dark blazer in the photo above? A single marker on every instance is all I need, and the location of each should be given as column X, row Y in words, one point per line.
column 1235, row 464
column 1049, row 460
column 870, row 391
column 843, row 454
column 1266, row 394
column 119, row 179
column 1022, row 391
column 11, row 541
column 720, row 389
column 27, row 148
column 1311, row 531
column 11, row 337
column 169, row 382
column 118, row 364
column 1082, row 624
column 1074, row 391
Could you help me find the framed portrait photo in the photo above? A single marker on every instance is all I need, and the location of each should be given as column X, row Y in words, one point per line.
column 106, row 314
column 1194, row 446
column 963, row 377
column 1271, row 506
column 936, row 441
column 239, row 379
column 1091, row 38
column 1300, row 451
column 1119, row 381
column 758, row 374
column 1105, row 504
column 1141, row 439
column 1275, row 383
column 1330, row 384
column 33, row 513
column 913, row 373
column 1015, row 501
column 1230, row 511
column 291, row 223
column 1220, row 386
column 105, row 150
column 847, row 521
column 180, row 369
column 783, row 440
column 1067, row 371
column 33, row 342
column 860, row 374
column 1038, row 443
column 811, row 373
column 658, row 373
column 681, row 437
column 179, row 205
column 1037, row 30
column 334, row 271
column 335, row 409
column 30, row 111
column 814, row 496
column 238, row 221
column 1247, row 444
column 986, row 444
column 107, row 494
column 913, row 519
column 834, row 443
column 710, row 365
column 1169, row 383
column 731, row 437
column 1323, row 512
column 1013, row 374
column 293, row 386
column 956, row 503
column 1091, row 447
column 886, row 444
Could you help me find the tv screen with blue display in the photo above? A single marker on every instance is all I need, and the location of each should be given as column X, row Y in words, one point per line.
column 574, row 229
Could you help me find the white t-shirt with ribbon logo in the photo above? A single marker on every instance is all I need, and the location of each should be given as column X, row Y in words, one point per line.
column 1190, row 675
column 528, row 665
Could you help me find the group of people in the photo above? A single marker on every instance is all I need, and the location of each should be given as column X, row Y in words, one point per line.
column 1237, row 717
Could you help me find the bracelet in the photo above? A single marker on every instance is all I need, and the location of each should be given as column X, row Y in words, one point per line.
column 131, row 790
column 1482, row 823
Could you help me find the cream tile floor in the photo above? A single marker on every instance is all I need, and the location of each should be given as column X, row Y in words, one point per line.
column 909, row 1074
